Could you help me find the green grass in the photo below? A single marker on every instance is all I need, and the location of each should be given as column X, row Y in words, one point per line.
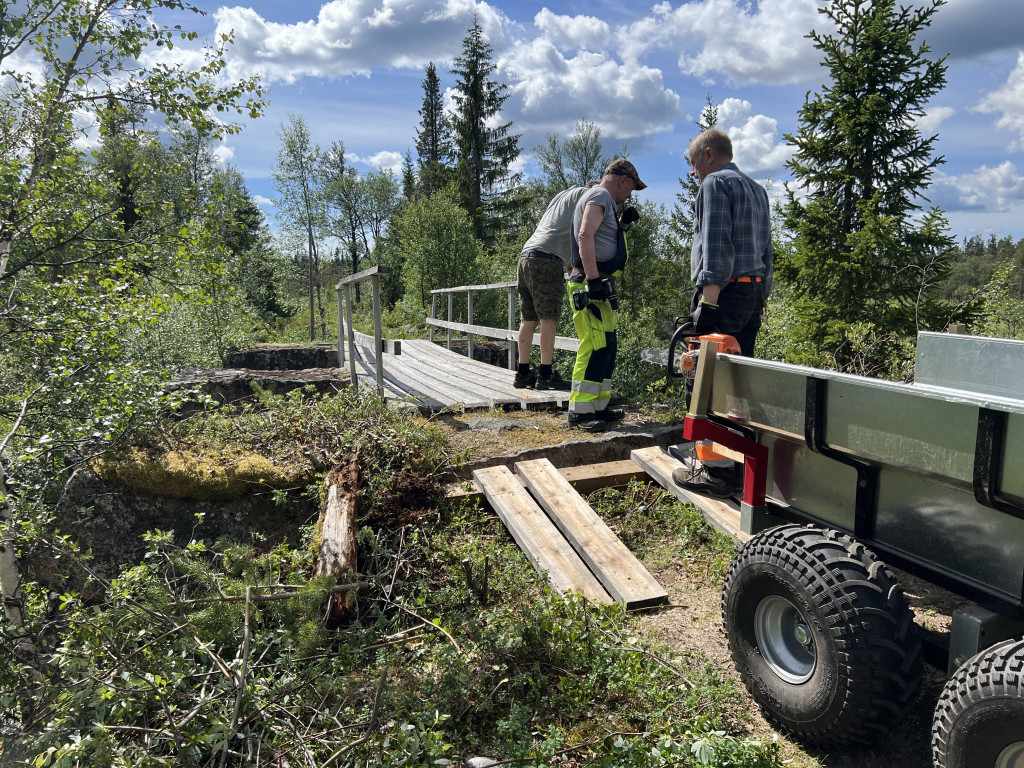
column 168, row 670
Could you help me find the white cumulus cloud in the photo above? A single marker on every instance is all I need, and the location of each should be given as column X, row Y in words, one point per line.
column 352, row 37
column 1008, row 103
column 986, row 188
column 747, row 43
column 973, row 28
column 755, row 138
column 933, row 117
column 574, row 32
column 387, row 161
column 550, row 93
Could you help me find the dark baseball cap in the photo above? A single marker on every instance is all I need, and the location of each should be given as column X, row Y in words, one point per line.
column 623, row 167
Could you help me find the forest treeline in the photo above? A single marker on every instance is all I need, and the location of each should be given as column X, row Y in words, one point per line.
column 129, row 252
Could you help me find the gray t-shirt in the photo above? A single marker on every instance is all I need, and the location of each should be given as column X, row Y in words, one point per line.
column 606, row 242
column 553, row 234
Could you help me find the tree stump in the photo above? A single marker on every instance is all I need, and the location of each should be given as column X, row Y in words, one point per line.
column 337, row 554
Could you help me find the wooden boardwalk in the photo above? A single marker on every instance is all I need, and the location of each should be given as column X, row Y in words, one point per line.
column 433, row 377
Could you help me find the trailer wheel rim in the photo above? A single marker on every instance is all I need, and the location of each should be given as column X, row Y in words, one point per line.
column 785, row 639
column 1012, row 756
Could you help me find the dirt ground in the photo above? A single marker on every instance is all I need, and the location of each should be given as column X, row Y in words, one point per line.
column 692, row 625
column 695, row 625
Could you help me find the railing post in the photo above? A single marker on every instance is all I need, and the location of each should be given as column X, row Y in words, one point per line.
column 469, row 320
column 513, row 347
column 433, row 314
column 378, row 335
column 341, row 331
column 351, row 337
column 451, row 305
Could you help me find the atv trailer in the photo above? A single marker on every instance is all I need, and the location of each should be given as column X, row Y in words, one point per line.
column 842, row 476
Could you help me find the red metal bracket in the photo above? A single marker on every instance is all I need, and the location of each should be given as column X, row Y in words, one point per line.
column 755, row 468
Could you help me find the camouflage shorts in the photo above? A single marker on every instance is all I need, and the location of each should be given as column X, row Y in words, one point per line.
column 541, row 288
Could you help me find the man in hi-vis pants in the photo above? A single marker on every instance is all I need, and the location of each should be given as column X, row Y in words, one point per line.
column 598, row 253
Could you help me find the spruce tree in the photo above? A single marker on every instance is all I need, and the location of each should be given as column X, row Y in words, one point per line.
column 408, row 177
column 865, row 258
column 681, row 223
column 485, row 153
column 434, row 137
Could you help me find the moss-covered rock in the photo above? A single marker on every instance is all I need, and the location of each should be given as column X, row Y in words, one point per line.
column 200, row 475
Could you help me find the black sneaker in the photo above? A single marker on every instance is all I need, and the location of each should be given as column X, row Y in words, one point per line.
column 696, row 477
column 554, row 381
column 610, row 414
column 586, row 422
column 523, row 382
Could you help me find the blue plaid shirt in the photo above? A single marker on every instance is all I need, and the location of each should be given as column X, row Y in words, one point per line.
column 732, row 234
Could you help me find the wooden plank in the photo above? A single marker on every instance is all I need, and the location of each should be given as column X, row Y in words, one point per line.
column 396, row 386
column 391, row 346
column 460, row 375
column 465, row 288
column 419, row 379
column 724, row 514
column 500, row 378
column 537, row 536
column 447, row 383
column 618, row 569
column 567, row 343
column 585, row 478
column 368, row 377
column 497, row 380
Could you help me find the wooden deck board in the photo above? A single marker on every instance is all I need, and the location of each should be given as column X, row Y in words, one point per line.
column 421, row 376
column 724, row 514
column 497, row 378
column 618, row 569
column 461, row 378
column 537, row 536
column 437, row 378
column 396, row 385
column 584, row 479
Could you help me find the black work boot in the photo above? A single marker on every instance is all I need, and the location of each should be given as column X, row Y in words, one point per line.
column 524, row 381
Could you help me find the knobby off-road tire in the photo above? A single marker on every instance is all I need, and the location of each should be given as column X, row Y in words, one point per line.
column 979, row 720
column 821, row 635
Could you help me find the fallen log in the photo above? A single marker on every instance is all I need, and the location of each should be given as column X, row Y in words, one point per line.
column 337, row 554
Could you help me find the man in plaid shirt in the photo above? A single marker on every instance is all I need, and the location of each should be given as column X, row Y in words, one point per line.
column 731, row 265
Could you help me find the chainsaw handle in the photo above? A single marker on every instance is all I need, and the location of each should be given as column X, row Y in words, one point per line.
column 683, row 331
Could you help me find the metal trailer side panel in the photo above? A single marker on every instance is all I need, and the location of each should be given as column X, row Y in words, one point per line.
column 978, row 364
column 946, row 526
column 921, row 439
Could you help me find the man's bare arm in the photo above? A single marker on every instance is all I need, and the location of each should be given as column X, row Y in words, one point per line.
column 593, row 215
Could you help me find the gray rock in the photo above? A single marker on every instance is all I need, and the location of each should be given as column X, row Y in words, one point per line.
column 479, row 762
column 234, row 385
column 497, row 425
column 284, row 358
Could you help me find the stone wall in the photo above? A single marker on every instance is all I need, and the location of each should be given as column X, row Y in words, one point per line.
column 109, row 520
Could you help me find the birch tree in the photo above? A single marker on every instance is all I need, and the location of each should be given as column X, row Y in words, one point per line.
column 70, row 250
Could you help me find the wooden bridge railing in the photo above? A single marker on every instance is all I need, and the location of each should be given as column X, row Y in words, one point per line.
column 344, row 289
column 510, row 334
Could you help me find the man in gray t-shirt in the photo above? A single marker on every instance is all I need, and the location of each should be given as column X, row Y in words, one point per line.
column 598, row 254
column 541, row 277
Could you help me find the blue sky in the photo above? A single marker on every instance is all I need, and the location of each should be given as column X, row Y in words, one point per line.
column 354, row 70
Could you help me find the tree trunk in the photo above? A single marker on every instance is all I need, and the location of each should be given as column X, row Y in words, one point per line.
column 337, row 555
column 10, row 579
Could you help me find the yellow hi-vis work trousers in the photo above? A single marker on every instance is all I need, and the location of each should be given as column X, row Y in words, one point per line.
column 595, row 358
